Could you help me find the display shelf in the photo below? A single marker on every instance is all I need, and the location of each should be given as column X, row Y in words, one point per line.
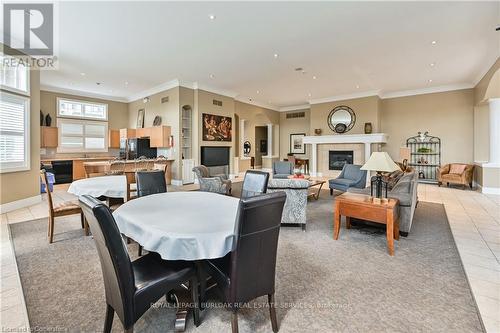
column 427, row 161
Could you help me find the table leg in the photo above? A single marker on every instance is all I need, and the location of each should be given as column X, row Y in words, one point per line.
column 396, row 229
column 347, row 222
column 336, row 220
column 316, row 196
column 390, row 232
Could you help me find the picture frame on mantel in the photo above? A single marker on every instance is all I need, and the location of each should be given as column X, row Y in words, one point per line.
column 140, row 118
column 297, row 145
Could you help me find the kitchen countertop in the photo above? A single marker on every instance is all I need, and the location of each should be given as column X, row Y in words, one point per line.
column 76, row 158
column 133, row 161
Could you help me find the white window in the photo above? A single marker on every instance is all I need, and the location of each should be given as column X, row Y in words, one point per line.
column 80, row 109
column 14, row 76
column 82, row 135
column 14, row 133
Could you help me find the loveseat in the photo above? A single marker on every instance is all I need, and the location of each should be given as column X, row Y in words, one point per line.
column 456, row 173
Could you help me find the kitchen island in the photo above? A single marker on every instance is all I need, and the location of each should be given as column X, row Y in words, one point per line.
column 132, row 165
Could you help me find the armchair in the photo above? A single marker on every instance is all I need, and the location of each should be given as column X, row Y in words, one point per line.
column 456, row 173
column 296, row 191
column 282, row 169
column 215, row 184
column 351, row 176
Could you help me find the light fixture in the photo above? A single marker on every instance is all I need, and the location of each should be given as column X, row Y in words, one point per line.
column 82, row 74
column 379, row 162
column 212, row 76
column 434, row 42
column 258, row 92
column 145, row 100
column 314, row 77
column 430, row 80
column 212, row 17
column 98, row 83
column 126, row 83
column 309, row 94
column 432, row 64
column 357, row 86
column 276, row 55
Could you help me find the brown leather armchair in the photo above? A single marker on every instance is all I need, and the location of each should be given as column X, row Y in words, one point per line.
column 456, row 173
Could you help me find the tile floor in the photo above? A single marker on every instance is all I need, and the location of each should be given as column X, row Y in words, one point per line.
column 474, row 220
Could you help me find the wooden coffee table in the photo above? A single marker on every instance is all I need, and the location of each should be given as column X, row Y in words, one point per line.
column 362, row 207
column 315, row 183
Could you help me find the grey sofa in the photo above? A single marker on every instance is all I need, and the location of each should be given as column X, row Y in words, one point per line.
column 208, row 183
column 351, row 176
column 405, row 190
column 282, row 169
column 296, row 191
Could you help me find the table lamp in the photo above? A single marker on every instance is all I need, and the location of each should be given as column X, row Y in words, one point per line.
column 380, row 162
column 404, row 155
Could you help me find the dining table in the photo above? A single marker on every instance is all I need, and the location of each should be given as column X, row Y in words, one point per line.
column 114, row 186
column 189, row 226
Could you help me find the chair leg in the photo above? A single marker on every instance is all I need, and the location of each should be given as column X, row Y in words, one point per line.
column 234, row 321
column 272, row 312
column 331, row 191
column 139, row 251
column 82, row 220
column 108, row 322
column 196, row 300
column 129, row 330
column 51, row 229
column 48, row 226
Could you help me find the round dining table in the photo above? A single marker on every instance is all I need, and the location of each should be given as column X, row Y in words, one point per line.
column 181, row 225
column 103, row 186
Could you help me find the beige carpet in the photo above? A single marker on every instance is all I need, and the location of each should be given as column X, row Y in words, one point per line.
column 349, row 285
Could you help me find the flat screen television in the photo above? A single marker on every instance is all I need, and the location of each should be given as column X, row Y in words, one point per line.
column 214, row 156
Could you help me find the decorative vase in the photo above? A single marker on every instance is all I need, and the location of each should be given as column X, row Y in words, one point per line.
column 368, row 128
column 48, row 120
column 317, row 131
column 41, row 118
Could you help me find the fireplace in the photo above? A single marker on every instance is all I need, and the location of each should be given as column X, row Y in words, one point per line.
column 216, row 159
column 337, row 159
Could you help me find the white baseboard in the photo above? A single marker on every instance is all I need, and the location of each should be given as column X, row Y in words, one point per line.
column 490, row 190
column 13, row 205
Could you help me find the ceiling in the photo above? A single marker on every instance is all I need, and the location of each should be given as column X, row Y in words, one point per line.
column 343, row 47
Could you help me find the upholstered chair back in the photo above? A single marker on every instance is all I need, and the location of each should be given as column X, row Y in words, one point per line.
column 150, row 182
column 255, row 183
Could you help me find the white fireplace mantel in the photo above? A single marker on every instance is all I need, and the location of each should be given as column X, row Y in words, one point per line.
column 366, row 139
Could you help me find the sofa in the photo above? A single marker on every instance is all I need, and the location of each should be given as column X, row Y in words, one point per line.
column 294, row 212
column 456, row 173
column 209, row 183
column 282, row 169
column 351, row 176
column 405, row 190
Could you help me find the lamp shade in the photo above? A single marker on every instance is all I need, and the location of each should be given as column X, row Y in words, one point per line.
column 404, row 153
column 380, row 161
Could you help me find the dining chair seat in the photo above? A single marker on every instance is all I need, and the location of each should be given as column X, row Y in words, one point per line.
column 68, row 207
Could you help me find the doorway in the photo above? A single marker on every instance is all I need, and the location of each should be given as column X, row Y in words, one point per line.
column 260, row 144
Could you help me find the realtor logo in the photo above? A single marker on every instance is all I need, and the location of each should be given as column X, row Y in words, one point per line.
column 29, row 28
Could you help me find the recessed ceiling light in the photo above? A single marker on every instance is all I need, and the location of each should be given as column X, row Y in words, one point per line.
column 434, row 42
column 276, row 55
column 126, row 83
column 211, row 76
column 258, row 92
column 314, row 77
column 430, row 80
column 82, row 74
column 432, row 64
column 110, row 90
column 357, row 86
column 98, row 83
column 309, row 94
column 212, row 17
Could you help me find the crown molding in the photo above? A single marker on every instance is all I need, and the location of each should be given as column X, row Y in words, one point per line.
column 81, row 93
column 247, row 100
column 429, row 90
column 206, row 87
column 345, row 97
column 155, row 90
column 294, row 108
column 483, row 73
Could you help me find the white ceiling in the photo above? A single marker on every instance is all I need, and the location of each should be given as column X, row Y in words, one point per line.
column 351, row 48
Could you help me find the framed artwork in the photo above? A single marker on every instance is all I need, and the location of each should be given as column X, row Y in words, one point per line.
column 296, row 143
column 140, row 118
column 216, row 128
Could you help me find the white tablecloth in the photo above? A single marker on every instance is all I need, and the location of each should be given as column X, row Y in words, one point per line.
column 109, row 186
column 181, row 225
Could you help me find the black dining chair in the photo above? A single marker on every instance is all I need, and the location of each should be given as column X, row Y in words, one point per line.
column 249, row 270
column 150, row 182
column 131, row 287
column 254, row 183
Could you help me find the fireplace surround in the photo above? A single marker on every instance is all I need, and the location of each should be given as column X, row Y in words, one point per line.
column 337, row 159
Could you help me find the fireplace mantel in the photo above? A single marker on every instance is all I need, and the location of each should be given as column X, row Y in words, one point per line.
column 366, row 139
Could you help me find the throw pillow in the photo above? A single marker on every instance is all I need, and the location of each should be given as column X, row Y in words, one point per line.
column 457, row 169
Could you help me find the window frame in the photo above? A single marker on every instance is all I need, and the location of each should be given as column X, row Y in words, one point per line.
column 26, row 92
column 26, row 166
column 73, row 120
column 82, row 102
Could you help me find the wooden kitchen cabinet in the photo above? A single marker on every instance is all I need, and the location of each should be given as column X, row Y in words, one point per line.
column 160, row 136
column 127, row 133
column 113, row 138
column 48, row 137
column 78, row 169
column 143, row 132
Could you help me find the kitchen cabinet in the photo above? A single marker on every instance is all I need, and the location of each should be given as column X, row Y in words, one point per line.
column 113, row 138
column 143, row 132
column 48, row 137
column 160, row 136
column 127, row 133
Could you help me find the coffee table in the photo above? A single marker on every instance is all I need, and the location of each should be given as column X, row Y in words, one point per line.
column 315, row 183
column 363, row 207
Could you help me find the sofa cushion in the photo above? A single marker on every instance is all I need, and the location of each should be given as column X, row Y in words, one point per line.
column 457, row 169
column 452, row 177
column 404, row 198
column 342, row 181
column 392, row 178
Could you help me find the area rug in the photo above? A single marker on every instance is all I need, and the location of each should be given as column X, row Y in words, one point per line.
column 323, row 285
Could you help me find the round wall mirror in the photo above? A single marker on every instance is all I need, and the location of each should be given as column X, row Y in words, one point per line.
column 246, row 148
column 341, row 119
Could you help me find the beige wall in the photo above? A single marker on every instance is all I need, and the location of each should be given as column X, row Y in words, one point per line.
column 117, row 111
column 481, row 133
column 170, row 116
column 448, row 115
column 292, row 126
column 26, row 184
column 482, row 86
column 366, row 110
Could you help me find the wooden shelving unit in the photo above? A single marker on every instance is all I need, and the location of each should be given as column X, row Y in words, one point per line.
column 425, row 156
